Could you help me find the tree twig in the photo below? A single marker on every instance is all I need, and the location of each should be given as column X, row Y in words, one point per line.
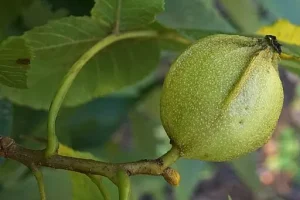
column 156, row 167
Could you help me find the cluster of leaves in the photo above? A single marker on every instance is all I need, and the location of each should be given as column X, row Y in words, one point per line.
column 48, row 40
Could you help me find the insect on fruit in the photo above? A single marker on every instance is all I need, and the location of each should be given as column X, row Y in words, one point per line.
column 273, row 41
column 222, row 97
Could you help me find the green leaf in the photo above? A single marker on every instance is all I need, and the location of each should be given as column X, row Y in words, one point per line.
column 152, row 185
column 82, row 186
column 14, row 62
column 151, row 105
column 75, row 7
column 145, row 140
column 39, row 13
column 191, row 173
column 196, row 34
column 244, row 14
column 178, row 43
column 67, row 151
column 148, row 141
column 27, row 122
column 59, row 44
column 278, row 9
column 126, row 14
column 287, row 34
column 293, row 65
column 245, row 167
column 57, row 183
column 93, row 123
column 193, row 14
column 11, row 172
column 85, row 126
column 6, row 119
column 285, row 31
column 10, row 10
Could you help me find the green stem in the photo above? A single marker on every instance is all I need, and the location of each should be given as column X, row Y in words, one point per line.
column 71, row 75
column 97, row 181
column 171, row 156
column 285, row 56
column 176, row 37
column 118, row 15
column 123, row 184
column 39, row 178
column 152, row 167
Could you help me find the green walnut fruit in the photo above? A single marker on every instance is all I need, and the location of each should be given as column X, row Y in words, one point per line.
column 222, row 97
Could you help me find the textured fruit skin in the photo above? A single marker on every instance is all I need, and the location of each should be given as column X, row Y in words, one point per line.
column 222, row 97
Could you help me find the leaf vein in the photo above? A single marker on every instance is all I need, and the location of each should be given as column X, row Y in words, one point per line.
column 76, row 28
column 55, row 34
column 67, row 44
column 108, row 4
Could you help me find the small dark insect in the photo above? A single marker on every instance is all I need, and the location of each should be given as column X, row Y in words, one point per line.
column 23, row 61
column 271, row 39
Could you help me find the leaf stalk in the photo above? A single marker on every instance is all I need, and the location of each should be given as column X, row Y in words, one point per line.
column 68, row 79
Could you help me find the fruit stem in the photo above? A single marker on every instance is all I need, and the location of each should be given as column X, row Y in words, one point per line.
column 284, row 56
column 171, row 156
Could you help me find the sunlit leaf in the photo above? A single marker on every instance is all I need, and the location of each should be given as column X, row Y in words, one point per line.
column 288, row 34
column 284, row 30
column 67, row 151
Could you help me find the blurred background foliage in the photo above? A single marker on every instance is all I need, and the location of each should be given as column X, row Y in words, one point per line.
column 125, row 125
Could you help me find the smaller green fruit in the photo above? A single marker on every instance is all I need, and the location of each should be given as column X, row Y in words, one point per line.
column 222, row 97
